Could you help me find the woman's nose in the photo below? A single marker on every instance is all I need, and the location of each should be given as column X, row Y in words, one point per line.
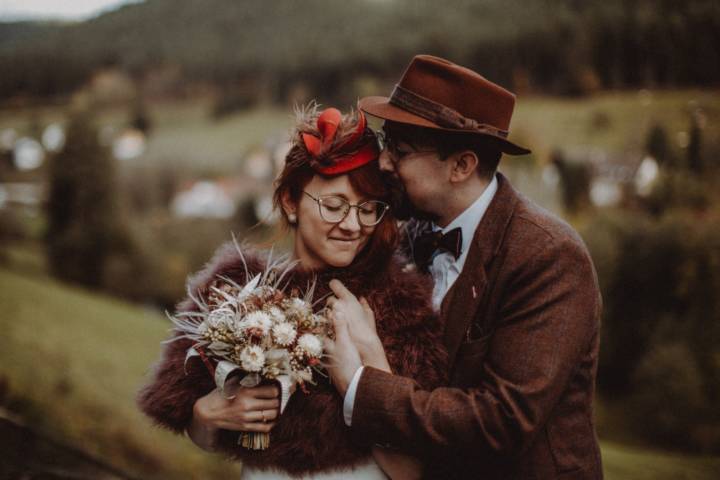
column 351, row 222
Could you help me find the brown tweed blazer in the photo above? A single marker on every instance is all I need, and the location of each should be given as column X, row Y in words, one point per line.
column 521, row 325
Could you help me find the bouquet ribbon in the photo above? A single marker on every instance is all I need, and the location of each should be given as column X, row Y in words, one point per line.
column 227, row 386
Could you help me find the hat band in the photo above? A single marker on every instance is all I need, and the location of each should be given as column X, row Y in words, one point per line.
column 438, row 113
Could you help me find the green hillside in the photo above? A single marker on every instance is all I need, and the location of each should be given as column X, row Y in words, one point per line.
column 74, row 360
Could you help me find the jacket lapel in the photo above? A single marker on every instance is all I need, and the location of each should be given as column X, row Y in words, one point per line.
column 461, row 303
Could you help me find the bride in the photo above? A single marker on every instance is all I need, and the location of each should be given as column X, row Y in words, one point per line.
column 333, row 199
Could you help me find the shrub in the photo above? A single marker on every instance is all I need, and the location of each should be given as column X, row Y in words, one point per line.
column 659, row 278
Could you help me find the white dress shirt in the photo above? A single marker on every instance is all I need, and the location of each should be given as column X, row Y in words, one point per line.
column 444, row 269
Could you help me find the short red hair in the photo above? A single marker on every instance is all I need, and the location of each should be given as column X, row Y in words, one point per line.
column 367, row 180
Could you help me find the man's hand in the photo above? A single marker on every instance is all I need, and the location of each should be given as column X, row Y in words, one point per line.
column 360, row 321
column 342, row 354
column 356, row 339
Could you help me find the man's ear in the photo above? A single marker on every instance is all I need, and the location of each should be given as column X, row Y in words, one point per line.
column 464, row 165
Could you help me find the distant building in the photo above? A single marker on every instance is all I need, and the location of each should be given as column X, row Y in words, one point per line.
column 28, row 195
column 214, row 198
column 611, row 176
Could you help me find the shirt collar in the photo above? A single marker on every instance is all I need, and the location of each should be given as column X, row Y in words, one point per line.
column 470, row 218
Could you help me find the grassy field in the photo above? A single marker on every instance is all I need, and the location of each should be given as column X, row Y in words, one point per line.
column 74, row 360
column 616, row 122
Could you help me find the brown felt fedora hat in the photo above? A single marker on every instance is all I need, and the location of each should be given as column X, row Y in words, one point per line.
column 436, row 93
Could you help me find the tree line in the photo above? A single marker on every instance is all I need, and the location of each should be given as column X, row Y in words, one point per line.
column 552, row 46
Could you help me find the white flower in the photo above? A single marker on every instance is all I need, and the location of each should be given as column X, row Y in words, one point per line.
column 256, row 320
column 276, row 314
column 310, row 344
column 284, row 333
column 221, row 317
column 252, row 358
column 298, row 306
column 299, row 303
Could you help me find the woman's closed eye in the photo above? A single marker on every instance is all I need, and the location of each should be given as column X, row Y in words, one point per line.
column 334, row 204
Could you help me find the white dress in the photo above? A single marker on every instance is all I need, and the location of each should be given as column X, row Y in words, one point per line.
column 365, row 471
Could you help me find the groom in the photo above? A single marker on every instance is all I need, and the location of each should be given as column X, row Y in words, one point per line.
column 514, row 286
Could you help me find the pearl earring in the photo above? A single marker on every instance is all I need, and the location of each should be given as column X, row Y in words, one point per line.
column 292, row 218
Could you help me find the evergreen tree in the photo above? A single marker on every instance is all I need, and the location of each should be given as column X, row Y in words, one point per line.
column 657, row 145
column 694, row 149
column 82, row 229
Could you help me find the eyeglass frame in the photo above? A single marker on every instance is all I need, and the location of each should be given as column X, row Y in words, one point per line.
column 318, row 200
column 385, row 141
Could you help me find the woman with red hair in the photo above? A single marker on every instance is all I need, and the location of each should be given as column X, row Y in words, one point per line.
column 333, row 198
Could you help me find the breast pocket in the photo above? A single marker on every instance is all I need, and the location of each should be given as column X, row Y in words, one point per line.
column 468, row 362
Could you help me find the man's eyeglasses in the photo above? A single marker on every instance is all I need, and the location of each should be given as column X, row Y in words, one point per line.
column 334, row 209
column 385, row 141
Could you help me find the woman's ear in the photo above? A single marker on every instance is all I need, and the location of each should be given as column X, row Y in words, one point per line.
column 289, row 207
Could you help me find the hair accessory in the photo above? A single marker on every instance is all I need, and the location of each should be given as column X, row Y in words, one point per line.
column 332, row 156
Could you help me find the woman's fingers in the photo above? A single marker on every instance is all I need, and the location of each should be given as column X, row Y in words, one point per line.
column 252, row 404
column 265, row 404
column 331, row 300
column 265, row 391
column 340, row 290
column 340, row 324
column 262, row 416
column 369, row 314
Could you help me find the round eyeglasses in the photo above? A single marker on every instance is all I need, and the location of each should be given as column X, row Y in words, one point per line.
column 385, row 141
column 334, row 209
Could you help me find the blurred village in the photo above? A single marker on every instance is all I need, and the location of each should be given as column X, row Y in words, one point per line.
column 134, row 143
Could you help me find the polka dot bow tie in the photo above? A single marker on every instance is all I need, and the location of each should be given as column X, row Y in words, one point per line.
column 427, row 244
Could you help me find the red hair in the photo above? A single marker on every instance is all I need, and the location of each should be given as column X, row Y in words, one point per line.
column 366, row 180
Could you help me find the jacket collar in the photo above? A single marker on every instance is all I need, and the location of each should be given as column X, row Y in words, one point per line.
column 463, row 300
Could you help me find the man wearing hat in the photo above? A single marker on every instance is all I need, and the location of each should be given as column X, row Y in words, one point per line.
column 514, row 286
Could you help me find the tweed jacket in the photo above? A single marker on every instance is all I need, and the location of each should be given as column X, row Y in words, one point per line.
column 310, row 436
column 521, row 325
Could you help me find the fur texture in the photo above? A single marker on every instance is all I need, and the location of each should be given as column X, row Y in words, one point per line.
column 310, row 436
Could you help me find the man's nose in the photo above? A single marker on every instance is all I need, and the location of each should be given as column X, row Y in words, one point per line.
column 385, row 161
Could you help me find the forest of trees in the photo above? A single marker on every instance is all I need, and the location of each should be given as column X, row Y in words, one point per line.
column 552, row 46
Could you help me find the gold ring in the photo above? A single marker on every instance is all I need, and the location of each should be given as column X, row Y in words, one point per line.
column 262, row 412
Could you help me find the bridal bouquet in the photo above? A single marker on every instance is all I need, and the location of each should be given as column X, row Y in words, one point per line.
column 259, row 331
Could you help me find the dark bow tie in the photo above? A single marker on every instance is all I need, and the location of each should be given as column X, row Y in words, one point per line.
column 427, row 244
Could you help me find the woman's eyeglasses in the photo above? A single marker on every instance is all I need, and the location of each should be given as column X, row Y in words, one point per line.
column 334, row 209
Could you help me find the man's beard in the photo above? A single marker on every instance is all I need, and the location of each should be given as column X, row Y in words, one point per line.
column 400, row 203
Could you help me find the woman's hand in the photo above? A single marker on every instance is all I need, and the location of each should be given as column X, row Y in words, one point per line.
column 361, row 327
column 250, row 410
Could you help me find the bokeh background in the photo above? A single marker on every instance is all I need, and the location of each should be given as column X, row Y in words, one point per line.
column 136, row 136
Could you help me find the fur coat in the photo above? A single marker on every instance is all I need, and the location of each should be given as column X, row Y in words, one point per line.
column 310, row 436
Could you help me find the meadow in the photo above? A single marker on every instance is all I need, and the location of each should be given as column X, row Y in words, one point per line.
column 73, row 362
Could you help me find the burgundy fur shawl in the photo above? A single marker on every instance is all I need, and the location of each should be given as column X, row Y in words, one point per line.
column 310, row 435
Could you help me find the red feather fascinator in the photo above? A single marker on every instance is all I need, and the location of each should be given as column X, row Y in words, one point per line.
column 333, row 154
